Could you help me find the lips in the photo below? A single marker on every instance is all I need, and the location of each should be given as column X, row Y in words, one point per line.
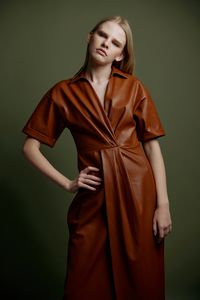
column 101, row 51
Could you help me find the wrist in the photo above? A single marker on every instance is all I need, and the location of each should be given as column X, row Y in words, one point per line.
column 67, row 185
column 163, row 204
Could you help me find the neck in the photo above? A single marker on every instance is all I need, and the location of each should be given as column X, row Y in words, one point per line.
column 98, row 74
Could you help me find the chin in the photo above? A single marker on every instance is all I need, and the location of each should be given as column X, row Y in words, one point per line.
column 98, row 60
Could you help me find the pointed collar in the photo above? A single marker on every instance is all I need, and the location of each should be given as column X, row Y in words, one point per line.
column 114, row 71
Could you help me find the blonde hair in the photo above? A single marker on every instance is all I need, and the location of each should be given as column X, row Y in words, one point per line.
column 127, row 64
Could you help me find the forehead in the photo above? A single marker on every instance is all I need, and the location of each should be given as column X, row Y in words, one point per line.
column 114, row 30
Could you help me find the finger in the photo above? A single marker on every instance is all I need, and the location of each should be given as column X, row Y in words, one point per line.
column 165, row 231
column 161, row 232
column 168, row 230
column 88, row 181
column 85, row 180
column 88, row 176
column 154, row 227
column 92, row 168
column 89, row 168
column 87, row 186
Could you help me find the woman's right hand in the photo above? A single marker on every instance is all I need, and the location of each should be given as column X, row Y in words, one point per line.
column 85, row 180
column 32, row 152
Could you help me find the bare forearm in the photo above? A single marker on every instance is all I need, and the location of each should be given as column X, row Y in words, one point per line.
column 153, row 152
column 32, row 152
column 162, row 223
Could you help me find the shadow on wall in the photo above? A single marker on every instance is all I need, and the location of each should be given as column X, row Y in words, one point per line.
column 33, row 238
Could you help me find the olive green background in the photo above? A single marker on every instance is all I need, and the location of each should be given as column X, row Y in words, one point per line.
column 43, row 42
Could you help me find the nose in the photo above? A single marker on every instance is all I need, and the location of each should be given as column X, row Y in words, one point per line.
column 105, row 43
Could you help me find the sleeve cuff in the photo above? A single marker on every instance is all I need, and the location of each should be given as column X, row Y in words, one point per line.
column 149, row 137
column 39, row 136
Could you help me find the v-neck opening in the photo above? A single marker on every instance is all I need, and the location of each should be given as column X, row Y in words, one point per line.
column 102, row 107
column 97, row 97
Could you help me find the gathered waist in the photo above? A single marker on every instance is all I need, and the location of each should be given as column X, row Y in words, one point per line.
column 113, row 145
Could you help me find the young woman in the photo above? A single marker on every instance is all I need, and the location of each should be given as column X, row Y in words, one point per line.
column 120, row 214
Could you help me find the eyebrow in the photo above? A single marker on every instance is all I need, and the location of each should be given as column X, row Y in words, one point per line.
column 115, row 40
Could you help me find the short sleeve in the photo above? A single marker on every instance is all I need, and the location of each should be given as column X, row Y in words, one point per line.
column 148, row 123
column 46, row 122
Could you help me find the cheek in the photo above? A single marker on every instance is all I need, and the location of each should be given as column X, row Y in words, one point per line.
column 95, row 39
column 116, row 52
column 91, row 45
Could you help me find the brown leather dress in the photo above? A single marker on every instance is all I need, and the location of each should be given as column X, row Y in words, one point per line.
column 112, row 252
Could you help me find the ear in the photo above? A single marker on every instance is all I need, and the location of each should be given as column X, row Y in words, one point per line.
column 120, row 57
column 89, row 37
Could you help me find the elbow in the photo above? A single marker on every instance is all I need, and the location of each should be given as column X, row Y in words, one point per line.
column 151, row 147
column 25, row 149
column 29, row 146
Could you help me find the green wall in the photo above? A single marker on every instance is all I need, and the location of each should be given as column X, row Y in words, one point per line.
column 43, row 42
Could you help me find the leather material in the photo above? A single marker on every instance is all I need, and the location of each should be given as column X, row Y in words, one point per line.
column 112, row 253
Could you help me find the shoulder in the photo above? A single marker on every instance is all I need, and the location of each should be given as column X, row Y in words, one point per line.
column 135, row 80
column 139, row 90
column 58, row 91
column 141, row 87
column 60, row 85
column 137, row 85
column 132, row 79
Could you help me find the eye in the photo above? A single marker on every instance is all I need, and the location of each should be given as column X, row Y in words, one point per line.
column 116, row 44
column 101, row 33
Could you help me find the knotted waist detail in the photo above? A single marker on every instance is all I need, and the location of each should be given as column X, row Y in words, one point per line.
column 109, row 145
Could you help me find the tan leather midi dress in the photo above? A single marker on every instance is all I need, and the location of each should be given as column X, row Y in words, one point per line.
column 112, row 252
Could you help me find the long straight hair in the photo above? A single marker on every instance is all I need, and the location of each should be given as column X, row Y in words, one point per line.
column 127, row 64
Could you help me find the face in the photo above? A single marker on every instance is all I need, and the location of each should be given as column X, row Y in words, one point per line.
column 106, row 44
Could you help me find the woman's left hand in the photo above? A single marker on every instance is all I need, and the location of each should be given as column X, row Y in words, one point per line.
column 162, row 224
